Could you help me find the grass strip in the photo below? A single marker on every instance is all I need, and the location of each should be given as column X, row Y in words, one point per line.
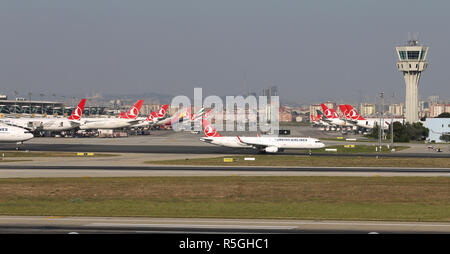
column 298, row 197
column 312, row 161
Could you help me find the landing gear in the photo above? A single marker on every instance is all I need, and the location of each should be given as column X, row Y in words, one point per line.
column 19, row 145
column 309, row 152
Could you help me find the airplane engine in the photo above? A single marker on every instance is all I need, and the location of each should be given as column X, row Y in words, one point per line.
column 271, row 149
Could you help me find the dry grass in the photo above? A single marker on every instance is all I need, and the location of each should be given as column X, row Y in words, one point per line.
column 315, row 161
column 398, row 198
column 357, row 189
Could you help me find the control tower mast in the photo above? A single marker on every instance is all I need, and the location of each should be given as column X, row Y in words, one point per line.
column 411, row 62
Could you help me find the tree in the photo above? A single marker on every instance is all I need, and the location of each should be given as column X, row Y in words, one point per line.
column 416, row 131
column 374, row 133
column 400, row 134
column 408, row 132
column 444, row 115
column 445, row 137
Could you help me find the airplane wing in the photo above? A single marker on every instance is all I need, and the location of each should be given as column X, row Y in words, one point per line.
column 133, row 122
column 254, row 144
column 74, row 123
column 93, row 121
column 34, row 128
column 351, row 121
column 18, row 126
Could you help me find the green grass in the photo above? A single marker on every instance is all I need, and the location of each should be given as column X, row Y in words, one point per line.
column 294, row 124
column 359, row 149
column 294, row 197
column 312, row 161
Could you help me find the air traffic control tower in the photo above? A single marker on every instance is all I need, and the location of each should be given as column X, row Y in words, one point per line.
column 412, row 60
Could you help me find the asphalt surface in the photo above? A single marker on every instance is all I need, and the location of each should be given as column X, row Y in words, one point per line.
column 30, row 171
column 237, row 168
column 65, row 225
column 181, row 149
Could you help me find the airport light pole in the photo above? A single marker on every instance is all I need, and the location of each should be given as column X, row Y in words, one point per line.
column 380, row 127
column 29, row 94
column 64, row 105
column 15, row 104
column 392, row 121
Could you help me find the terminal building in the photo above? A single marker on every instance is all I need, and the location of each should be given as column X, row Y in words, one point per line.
column 20, row 106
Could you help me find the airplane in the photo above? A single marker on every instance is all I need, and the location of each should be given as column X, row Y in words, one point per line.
column 182, row 116
column 133, row 112
column 331, row 117
column 318, row 119
column 152, row 119
column 355, row 118
column 261, row 143
column 13, row 134
column 49, row 124
column 128, row 120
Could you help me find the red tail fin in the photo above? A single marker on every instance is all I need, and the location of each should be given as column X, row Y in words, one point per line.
column 329, row 113
column 134, row 111
column 150, row 118
column 351, row 112
column 344, row 111
column 162, row 111
column 209, row 130
column 76, row 114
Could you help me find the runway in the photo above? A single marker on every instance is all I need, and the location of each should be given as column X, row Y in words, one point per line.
column 60, row 224
column 188, row 149
column 28, row 171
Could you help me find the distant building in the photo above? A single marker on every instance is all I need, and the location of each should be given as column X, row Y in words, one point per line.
column 271, row 91
column 285, row 114
column 424, row 113
column 436, row 109
column 330, row 104
column 433, row 99
column 396, row 109
column 313, row 109
column 149, row 108
column 447, row 108
column 367, row 109
column 424, row 105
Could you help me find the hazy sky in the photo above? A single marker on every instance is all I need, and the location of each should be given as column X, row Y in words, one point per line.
column 311, row 50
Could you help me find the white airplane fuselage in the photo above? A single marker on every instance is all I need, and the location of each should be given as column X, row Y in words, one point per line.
column 11, row 134
column 46, row 124
column 269, row 144
column 106, row 123
column 339, row 122
column 372, row 122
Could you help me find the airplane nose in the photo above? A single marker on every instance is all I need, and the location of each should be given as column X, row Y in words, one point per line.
column 28, row 136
